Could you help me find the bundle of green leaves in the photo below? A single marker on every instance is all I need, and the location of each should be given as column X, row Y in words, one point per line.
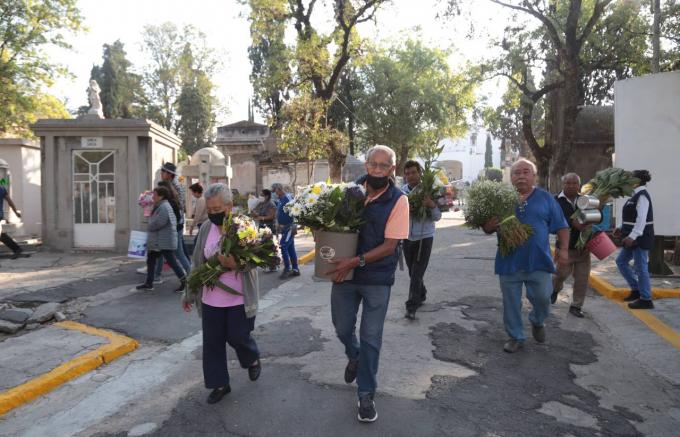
column 487, row 199
column 249, row 246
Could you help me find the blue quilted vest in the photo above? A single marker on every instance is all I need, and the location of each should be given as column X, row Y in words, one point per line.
column 372, row 235
column 629, row 215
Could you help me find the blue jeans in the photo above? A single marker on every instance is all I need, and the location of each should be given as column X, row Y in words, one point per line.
column 638, row 280
column 288, row 253
column 179, row 254
column 539, row 288
column 155, row 257
column 345, row 300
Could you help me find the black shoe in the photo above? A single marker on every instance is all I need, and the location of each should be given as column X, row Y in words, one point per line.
column 294, row 273
column 633, row 296
column 538, row 332
column 20, row 254
column 182, row 285
column 285, row 274
column 367, row 411
column 217, row 394
column 254, row 371
column 144, row 287
column 351, row 371
column 641, row 304
column 576, row 311
column 553, row 296
column 410, row 314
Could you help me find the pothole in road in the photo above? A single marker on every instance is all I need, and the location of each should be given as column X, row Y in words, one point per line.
column 531, row 392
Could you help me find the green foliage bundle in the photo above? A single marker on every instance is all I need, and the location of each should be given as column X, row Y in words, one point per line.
column 488, row 199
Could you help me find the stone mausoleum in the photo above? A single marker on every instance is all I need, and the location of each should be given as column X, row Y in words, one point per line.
column 93, row 171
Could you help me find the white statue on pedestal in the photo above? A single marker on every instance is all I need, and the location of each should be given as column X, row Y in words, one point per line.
column 95, row 102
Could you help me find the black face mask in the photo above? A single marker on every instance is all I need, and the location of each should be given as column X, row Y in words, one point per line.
column 377, row 182
column 217, row 219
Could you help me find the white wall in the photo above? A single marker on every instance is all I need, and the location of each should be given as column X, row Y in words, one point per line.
column 472, row 156
column 647, row 136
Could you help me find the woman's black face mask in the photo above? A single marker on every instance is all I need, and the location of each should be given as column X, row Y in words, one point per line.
column 217, row 219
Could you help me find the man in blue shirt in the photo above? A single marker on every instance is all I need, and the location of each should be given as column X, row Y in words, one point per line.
column 530, row 265
column 287, row 229
column 4, row 237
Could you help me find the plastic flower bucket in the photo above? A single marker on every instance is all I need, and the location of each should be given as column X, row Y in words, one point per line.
column 601, row 246
column 329, row 246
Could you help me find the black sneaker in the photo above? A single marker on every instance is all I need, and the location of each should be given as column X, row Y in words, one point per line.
column 144, row 287
column 351, row 371
column 641, row 304
column 182, row 285
column 294, row 273
column 410, row 314
column 254, row 371
column 367, row 411
column 20, row 254
column 217, row 394
column 633, row 296
column 576, row 311
column 285, row 274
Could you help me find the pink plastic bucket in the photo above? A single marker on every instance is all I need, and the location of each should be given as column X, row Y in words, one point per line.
column 601, row 246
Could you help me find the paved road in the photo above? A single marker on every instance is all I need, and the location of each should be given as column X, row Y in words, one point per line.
column 442, row 374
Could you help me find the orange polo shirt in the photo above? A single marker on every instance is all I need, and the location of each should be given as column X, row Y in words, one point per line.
column 397, row 225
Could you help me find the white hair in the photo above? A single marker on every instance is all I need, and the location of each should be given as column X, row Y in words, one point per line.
column 571, row 175
column 385, row 149
column 523, row 161
column 218, row 189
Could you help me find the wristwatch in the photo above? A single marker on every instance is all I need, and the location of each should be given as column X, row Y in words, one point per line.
column 362, row 260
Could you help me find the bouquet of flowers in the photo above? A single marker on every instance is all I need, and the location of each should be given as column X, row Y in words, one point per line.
column 609, row 183
column 146, row 199
column 146, row 202
column 329, row 207
column 249, row 246
column 487, row 199
column 432, row 184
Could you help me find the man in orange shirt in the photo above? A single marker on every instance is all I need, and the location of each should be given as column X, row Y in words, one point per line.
column 386, row 221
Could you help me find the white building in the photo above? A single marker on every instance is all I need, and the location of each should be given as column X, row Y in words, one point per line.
column 469, row 151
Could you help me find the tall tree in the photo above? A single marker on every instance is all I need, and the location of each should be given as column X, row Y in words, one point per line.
column 410, row 98
column 122, row 94
column 564, row 49
column 488, row 153
column 26, row 30
column 195, row 105
column 270, row 58
column 178, row 82
column 317, row 58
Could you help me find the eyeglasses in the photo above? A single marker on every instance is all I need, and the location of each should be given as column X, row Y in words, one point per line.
column 381, row 166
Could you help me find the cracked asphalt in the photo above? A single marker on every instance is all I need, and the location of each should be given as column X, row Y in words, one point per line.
column 444, row 374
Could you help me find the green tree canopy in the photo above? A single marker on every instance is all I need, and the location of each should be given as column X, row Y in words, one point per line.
column 122, row 94
column 410, row 97
column 26, row 71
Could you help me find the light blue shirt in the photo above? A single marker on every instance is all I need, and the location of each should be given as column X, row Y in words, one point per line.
column 421, row 229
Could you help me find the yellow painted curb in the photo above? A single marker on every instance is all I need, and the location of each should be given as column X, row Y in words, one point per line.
column 660, row 328
column 617, row 294
column 118, row 345
column 609, row 290
column 307, row 257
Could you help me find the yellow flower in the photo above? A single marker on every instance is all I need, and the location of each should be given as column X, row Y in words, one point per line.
column 316, row 189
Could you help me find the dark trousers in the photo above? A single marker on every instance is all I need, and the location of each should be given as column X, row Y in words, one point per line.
column 153, row 256
column 9, row 242
column 417, row 264
column 222, row 326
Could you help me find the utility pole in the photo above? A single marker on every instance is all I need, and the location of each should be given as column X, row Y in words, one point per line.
column 656, row 35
